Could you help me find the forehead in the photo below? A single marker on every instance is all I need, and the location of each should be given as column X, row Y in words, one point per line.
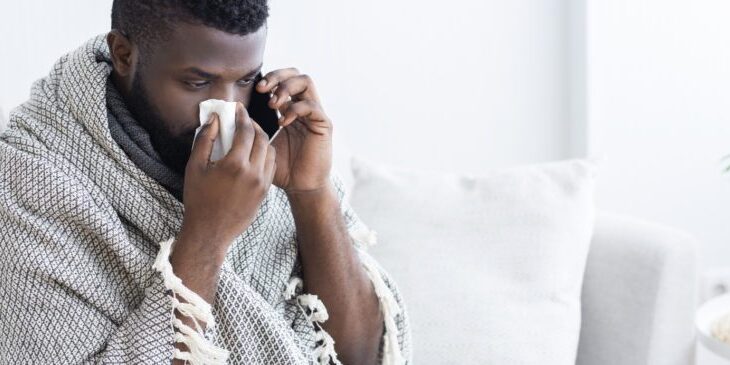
column 190, row 45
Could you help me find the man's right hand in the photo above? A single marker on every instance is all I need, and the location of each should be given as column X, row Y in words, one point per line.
column 221, row 200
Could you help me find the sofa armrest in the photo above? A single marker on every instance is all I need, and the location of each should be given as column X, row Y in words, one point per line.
column 639, row 295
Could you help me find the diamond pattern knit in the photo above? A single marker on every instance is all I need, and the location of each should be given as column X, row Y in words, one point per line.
column 79, row 231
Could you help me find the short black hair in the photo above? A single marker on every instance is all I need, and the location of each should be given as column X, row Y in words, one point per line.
column 145, row 21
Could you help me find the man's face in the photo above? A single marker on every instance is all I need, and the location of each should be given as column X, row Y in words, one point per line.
column 196, row 63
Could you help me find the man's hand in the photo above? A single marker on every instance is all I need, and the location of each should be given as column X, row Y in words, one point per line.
column 304, row 147
column 330, row 266
column 221, row 199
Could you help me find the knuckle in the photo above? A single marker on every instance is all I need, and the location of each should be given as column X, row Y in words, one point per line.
column 233, row 165
column 257, row 128
column 303, row 107
column 260, row 132
column 295, row 108
column 312, row 104
column 247, row 123
column 241, row 111
column 264, row 137
column 306, row 78
column 258, row 181
column 283, row 87
column 232, row 169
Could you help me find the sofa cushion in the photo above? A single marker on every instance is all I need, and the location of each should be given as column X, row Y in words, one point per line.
column 490, row 266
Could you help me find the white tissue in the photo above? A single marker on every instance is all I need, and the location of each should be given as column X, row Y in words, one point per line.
column 226, row 111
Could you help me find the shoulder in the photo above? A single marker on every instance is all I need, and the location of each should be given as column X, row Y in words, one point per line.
column 35, row 182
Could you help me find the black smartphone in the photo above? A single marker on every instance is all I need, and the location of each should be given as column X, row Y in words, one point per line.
column 259, row 110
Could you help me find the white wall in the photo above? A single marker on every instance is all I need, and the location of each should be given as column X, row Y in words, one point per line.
column 386, row 71
column 651, row 77
column 390, row 69
column 35, row 33
column 659, row 92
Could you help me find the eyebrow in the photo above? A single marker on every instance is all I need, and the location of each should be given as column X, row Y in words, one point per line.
column 207, row 75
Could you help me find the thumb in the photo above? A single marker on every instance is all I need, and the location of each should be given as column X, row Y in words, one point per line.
column 203, row 143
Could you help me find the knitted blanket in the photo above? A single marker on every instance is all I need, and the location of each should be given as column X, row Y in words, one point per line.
column 84, row 242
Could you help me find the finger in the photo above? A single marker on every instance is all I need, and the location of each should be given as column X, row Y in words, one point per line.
column 300, row 87
column 258, row 150
column 270, row 164
column 309, row 113
column 203, row 143
column 243, row 136
column 273, row 78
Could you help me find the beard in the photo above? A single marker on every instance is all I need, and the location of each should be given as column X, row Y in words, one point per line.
column 173, row 149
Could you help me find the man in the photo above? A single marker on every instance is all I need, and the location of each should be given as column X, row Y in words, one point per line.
column 121, row 242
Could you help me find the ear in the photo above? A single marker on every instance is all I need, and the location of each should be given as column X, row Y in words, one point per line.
column 124, row 54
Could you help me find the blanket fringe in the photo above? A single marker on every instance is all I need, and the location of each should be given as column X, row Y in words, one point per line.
column 364, row 236
column 200, row 349
column 316, row 313
column 291, row 288
column 390, row 309
column 388, row 305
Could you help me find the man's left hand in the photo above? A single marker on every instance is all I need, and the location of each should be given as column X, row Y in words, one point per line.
column 304, row 145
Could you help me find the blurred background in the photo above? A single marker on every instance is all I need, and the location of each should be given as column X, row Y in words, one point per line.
column 471, row 86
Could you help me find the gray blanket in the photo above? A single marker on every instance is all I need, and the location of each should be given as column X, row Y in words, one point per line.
column 81, row 226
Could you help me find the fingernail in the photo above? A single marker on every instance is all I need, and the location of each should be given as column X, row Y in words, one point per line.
column 262, row 83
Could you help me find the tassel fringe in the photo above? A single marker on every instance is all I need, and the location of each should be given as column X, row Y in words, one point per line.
column 316, row 313
column 200, row 350
column 388, row 305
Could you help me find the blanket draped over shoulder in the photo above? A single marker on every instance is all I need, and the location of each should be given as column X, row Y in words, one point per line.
column 84, row 242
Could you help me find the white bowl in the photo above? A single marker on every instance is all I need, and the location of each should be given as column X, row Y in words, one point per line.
column 707, row 314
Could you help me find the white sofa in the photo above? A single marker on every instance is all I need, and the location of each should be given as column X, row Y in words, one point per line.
column 638, row 294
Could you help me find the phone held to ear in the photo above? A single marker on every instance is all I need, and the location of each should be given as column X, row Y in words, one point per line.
column 259, row 110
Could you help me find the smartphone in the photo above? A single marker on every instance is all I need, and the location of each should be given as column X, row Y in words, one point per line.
column 259, row 110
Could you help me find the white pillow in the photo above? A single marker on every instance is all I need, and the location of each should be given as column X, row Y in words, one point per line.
column 490, row 267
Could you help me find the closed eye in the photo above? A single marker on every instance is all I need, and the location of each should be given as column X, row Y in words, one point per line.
column 246, row 82
column 197, row 84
